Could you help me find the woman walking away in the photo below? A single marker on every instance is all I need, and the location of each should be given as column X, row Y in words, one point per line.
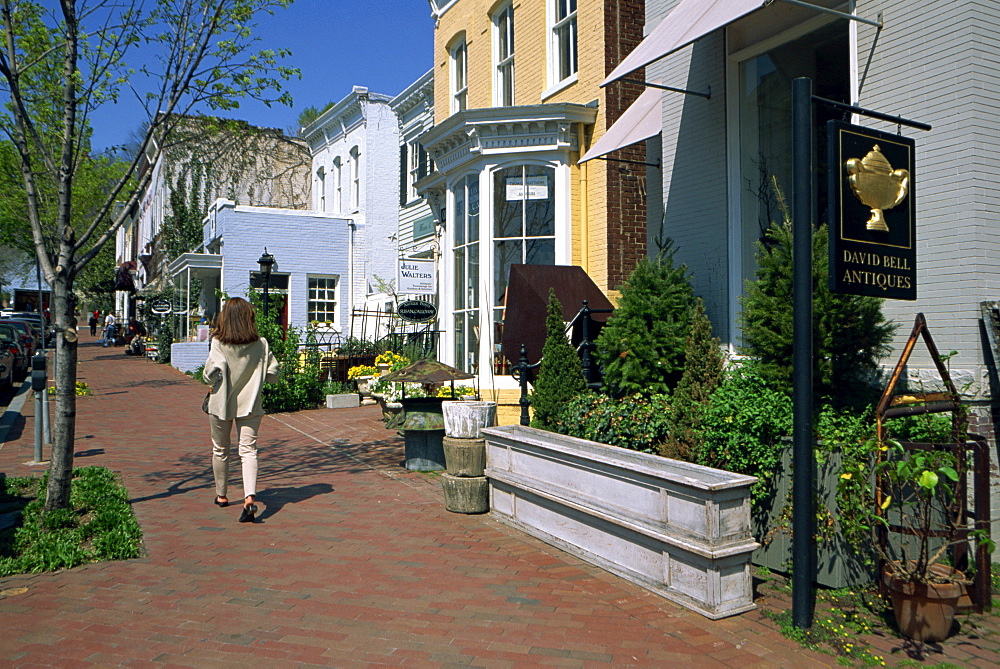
column 239, row 363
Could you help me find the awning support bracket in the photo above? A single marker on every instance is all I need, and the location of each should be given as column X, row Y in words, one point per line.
column 650, row 84
column 854, row 109
column 850, row 17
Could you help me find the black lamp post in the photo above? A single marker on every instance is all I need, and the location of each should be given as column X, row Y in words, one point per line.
column 266, row 262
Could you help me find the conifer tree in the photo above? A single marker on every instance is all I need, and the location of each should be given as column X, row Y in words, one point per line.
column 641, row 349
column 703, row 369
column 850, row 334
column 560, row 376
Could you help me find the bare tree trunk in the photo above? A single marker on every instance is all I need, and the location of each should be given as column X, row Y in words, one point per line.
column 64, row 420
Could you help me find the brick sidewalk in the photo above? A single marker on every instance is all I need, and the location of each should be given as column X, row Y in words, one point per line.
column 353, row 561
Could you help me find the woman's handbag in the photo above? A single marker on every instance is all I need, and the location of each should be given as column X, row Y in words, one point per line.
column 204, row 403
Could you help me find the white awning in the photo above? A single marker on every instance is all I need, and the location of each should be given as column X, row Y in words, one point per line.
column 642, row 120
column 687, row 22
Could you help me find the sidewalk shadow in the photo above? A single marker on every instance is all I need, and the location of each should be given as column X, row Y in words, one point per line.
column 277, row 498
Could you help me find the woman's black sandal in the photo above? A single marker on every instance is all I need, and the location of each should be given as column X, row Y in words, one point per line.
column 249, row 511
column 220, row 503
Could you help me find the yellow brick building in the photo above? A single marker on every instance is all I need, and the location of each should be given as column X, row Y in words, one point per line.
column 517, row 103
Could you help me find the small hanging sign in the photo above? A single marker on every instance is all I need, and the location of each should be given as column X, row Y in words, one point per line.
column 416, row 311
column 873, row 245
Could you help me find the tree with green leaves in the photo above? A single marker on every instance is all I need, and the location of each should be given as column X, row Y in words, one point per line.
column 641, row 349
column 850, row 334
column 560, row 376
column 59, row 63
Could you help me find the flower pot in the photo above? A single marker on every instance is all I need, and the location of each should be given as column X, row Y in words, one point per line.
column 925, row 611
column 364, row 388
column 466, row 494
column 464, row 420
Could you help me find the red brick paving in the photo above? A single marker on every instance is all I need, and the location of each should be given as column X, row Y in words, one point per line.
column 353, row 561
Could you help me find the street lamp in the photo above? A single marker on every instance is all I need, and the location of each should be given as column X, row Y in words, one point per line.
column 266, row 262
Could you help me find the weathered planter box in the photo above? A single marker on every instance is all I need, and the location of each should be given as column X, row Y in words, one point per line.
column 838, row 564
column 678, row 529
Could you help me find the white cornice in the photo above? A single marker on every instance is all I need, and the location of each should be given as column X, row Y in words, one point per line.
column 501, row 130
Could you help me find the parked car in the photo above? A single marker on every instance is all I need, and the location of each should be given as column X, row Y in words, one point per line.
column 28, row 337
column 10, row 337
column 36, row 323
column 6, row 367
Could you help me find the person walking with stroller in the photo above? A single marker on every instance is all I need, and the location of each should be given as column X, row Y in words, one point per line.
column 109, row 329
column 239, row 363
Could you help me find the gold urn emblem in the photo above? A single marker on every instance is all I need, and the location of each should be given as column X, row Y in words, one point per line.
column 877, row 185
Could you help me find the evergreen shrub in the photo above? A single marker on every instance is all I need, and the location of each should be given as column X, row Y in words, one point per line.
column 560, row 376
column 703, row 370
column 641, row 349
column 850, row 334
column 638, row 423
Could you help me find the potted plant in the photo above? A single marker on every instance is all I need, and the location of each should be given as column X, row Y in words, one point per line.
column 920, row 493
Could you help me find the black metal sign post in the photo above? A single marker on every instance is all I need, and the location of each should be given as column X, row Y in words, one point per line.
column 803, row 460
column 804, row 474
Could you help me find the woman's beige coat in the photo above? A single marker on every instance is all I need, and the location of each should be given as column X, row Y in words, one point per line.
column 237, row 373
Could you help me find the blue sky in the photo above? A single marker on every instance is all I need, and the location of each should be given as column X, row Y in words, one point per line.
column 382, row 44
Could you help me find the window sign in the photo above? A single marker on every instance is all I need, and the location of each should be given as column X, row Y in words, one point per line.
column 416, row 277
column 528, row 188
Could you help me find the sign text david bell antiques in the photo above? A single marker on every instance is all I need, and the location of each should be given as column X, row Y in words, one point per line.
column 873, row 247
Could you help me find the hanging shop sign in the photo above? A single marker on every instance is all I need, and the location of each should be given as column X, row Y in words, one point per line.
column 416, row 311
column 873, row 245
column 416, row 277
column 160, row 307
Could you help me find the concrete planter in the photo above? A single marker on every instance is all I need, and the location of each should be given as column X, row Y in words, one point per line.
column 466, row 494
column 342, row 401
column 464, row 457
column 464, row 420
column 678, row 529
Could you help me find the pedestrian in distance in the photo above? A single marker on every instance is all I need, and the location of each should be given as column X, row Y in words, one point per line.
column 93, row 324
column 239, row 363
column 109, row 329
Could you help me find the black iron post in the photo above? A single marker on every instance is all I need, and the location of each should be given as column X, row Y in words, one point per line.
column 520, row 372
column 803, row 481
column 585, row 344
column 266, row 262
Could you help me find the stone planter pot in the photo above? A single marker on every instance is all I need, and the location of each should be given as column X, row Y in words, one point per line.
column 465, row 457
column 466, row 494
column 364, row 389
column 464, row 420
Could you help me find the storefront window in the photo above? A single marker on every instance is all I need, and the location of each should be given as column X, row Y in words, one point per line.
column 765, row 156
column 523, row 223
column 465, row 245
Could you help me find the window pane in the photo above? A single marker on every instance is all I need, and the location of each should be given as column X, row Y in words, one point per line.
column 460, row 278
column 507, row 252
column 541, row 252
column 460, row 344
column 473, row 286
column 539, row 211
column 473, row 226
column 508, row 202
column 459, row 217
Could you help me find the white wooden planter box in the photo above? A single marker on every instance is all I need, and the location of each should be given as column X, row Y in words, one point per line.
column 678, row 529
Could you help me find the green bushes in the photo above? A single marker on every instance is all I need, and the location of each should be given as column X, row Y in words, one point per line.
column 99, row 525
column 641, row 349
column 560, row 377
column 632, row 422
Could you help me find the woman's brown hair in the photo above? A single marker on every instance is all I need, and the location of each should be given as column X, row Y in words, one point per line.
column 237, row 323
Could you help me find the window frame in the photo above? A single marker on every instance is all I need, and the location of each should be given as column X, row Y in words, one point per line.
column 321, row 187
column 355, row 154
column 560, row 29
column 338, row 190
column 503, row 69
column 459, row 81
column 312, row 299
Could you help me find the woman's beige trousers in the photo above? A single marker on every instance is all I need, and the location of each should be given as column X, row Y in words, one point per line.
column 246, row 431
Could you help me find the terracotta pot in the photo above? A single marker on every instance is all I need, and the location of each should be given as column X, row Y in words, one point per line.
column 926, row 611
